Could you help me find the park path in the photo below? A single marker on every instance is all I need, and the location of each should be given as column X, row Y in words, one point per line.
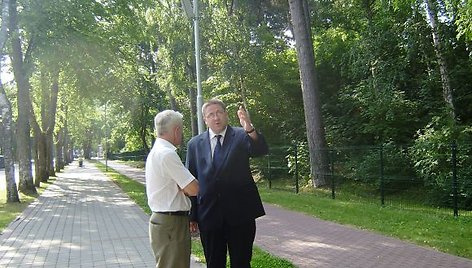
column 82, row 220
column 310, row 242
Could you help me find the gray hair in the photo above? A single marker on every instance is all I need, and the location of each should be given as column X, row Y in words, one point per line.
column 166, row 120
column 211, row 102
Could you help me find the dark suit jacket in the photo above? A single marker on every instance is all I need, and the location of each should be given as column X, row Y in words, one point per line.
column 228, row 194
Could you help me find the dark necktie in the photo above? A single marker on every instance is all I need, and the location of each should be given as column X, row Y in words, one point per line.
column 217, row 154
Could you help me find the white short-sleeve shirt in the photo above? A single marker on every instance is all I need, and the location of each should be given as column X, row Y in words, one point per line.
column 165, row 177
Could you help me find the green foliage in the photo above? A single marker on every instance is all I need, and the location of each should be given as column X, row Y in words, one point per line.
column 271, row 167
column 372, row 116
column 298, row 158
column 377, row 71
column 431, row 154
column 464, row 21
column 361, row 164
column 388, row 166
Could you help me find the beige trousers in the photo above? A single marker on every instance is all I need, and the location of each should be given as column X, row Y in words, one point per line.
column 170, row 240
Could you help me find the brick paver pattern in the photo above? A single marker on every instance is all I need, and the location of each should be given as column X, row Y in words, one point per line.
column 85, row 220
column 309, row 242
column 82, row 220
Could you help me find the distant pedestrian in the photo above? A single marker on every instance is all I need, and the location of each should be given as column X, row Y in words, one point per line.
column 168, row 185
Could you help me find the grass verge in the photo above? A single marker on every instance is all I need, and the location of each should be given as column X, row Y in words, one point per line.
column 136, row 192
column 421, row 225
column 10, row 211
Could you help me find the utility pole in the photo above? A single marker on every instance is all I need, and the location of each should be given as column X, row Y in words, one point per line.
column 192, row 14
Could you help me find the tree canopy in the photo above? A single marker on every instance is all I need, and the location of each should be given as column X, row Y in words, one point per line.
column 380, row 65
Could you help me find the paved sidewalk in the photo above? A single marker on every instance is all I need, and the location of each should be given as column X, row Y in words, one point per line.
column 309, row 242
column 82, row 220
column 131, row 172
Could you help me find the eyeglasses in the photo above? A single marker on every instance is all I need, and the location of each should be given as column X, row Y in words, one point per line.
column 214, row 115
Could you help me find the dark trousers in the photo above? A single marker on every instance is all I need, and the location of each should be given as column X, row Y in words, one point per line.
column 237, row 240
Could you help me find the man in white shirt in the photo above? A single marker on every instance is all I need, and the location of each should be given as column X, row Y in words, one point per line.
column 168, row 185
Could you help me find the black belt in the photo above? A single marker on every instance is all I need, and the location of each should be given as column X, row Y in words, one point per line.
column 174, row 213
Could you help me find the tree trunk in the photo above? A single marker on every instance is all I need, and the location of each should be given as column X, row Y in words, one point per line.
column 67, row 151
column 443, row 69
column 50, row 143
column 51, row 153
column 68, row 157
column 43, row 150
column 143, row 130
column 6, row 123
column 59, row 151
column 87, row 144
column 242, row 93
column 5, row 108
column 49, row 119
column 173, row 103
column 306, row 62
column 41, row 164
column 41, row 172
column 26, row 184
column 36, row 180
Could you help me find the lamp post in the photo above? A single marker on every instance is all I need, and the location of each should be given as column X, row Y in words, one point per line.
column 192, row 14
column 106, row 139
column 1, row 134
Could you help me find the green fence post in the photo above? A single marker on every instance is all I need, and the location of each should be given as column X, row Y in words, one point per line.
column 296, row 167
column 333, row 190
column 268, row 170
column 382, row 180
column 454, row 177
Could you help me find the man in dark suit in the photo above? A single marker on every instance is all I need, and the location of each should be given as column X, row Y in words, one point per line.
column 228, row 202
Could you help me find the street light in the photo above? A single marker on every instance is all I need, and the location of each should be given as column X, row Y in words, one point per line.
column 193, row 15
column 106, row 138
column 1, row 134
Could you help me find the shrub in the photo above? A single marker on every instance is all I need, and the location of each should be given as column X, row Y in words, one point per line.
column 431, row 154
column 300, row 163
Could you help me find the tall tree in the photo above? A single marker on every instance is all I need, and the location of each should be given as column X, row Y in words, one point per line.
column 21, row 75
column 6, row 115
column 431, row 11
column 44, row 129
column 315, row 132
column 5, row 109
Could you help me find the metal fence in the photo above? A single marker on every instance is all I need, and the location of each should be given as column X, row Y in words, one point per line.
column 128, row 156
column 384, row 174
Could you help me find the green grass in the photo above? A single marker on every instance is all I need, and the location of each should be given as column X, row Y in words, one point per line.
column 416, row 223
column 435, row 228
column 10, row 211
column 136, row 192
column 260, row 258
column 421, row 225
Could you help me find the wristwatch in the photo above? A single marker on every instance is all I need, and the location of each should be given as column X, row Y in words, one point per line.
column 252, row 130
